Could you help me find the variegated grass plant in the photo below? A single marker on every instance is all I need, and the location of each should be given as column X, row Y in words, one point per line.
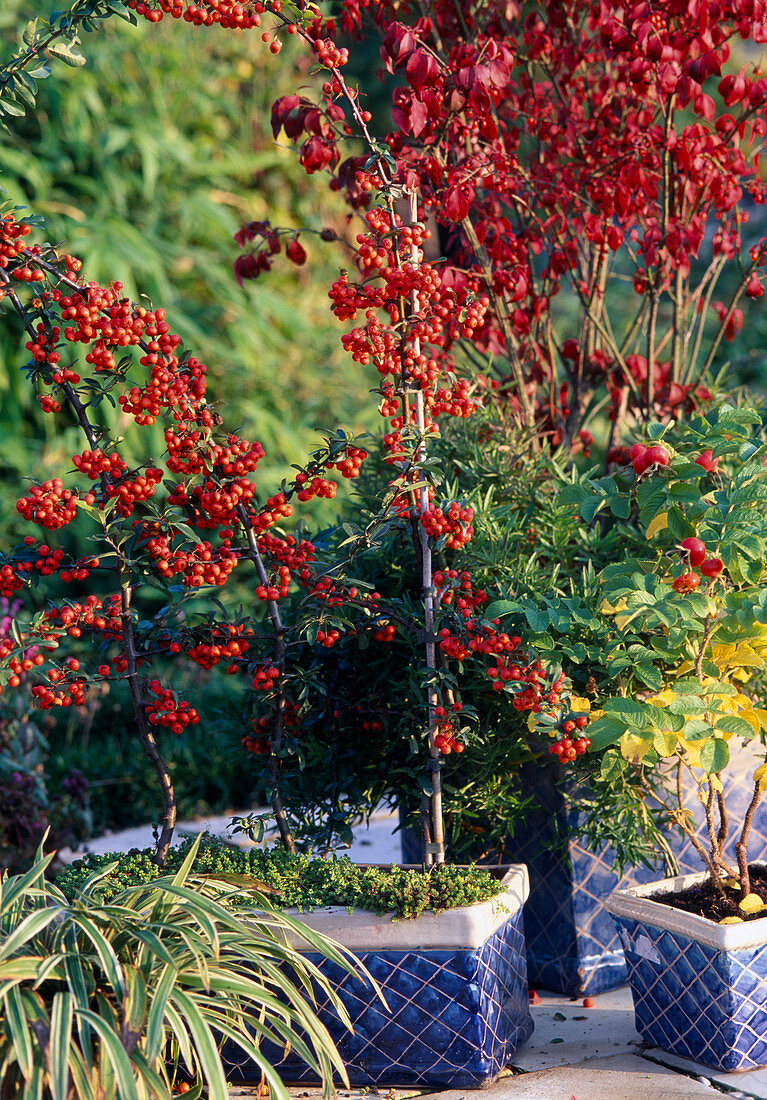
column 128, row 999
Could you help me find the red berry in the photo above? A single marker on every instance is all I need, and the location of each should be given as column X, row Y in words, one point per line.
column 695, row 551
column 687, row 582
column 712, row 567
column 707, row 461
column 657, row 456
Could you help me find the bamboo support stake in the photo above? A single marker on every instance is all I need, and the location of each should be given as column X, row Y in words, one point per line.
column 433, row 844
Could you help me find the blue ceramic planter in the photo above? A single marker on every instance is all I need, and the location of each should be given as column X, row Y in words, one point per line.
column 699, row 988
column 572, row 943
column 456, row 1013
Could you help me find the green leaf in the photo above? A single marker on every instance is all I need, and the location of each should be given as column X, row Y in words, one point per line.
column 649, row 675
column 12, row 1008
column 105, row 951
column 65, row 51
column 678, row 524
column 731, row 723
column 632, row 712
column 697, row 730
column 502, row 607
column 605, row 731
column 30, row 927
column 588, row 508
column 687, row 704
column 30, row 32
column 612, row 766
column 714, row 755
column 537, row 620
column 115, row 1053
column 62, row 1013
column 156, row 1018
column 205, row 1046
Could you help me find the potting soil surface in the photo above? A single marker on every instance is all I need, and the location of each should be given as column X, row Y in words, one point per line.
column 705, row 901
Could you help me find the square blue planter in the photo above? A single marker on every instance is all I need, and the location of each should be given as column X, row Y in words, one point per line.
column 572, row 943
column 699, row 988
column 455, row 985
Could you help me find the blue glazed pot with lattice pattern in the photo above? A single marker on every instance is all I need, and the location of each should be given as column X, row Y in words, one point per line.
column 455, row 984
column 699, row 988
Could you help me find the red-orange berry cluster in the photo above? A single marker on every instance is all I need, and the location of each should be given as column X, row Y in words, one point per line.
column 68, row 694
column 51, row 505
column 95, row 463
column 132, row 491
column 275, row 509
column 265, row 678
column 164, row 710
column 200, row 565
column 10, row 581
column 279, row 589
column 456, row 589
column 208, row 655
column 12, row 233
column 349, row 466
column 237, row 14
column 317, row 487
column 454, row 525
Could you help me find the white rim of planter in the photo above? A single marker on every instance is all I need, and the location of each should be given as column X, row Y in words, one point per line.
column 466, row 927
column 635, row 903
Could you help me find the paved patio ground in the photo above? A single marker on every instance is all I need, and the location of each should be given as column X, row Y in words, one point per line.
column 575, row 1053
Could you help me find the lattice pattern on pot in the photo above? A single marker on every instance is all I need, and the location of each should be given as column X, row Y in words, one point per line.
column 695, row 1001
column 455, row 1017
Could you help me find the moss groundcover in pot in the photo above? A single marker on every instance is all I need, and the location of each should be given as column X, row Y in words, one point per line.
column 446, row 948
column 699, row 986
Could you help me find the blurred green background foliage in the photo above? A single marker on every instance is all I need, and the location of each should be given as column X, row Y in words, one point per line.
column 144, row 163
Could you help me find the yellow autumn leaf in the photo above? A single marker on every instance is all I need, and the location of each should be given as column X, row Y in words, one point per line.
column 659, row 523
column 760, row 776
column 692, row 751
column 662, row 698
column 751, row 903
column 634, row 748
column 531, row 721
column 610, row 609
column 579, row 704
column 715, row 783
column 664, row 742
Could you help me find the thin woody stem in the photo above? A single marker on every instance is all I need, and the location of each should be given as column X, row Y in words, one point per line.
column 144, row 728
column 683, row 823
column 275, row 741
column 741, row 848
column 724, row 822
column 433, row 851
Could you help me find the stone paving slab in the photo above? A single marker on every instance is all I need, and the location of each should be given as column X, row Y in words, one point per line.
column 567, row 1033
column 747, row 1084
column 620, row 1077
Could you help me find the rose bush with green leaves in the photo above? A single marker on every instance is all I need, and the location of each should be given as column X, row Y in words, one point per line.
column 688, row 634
